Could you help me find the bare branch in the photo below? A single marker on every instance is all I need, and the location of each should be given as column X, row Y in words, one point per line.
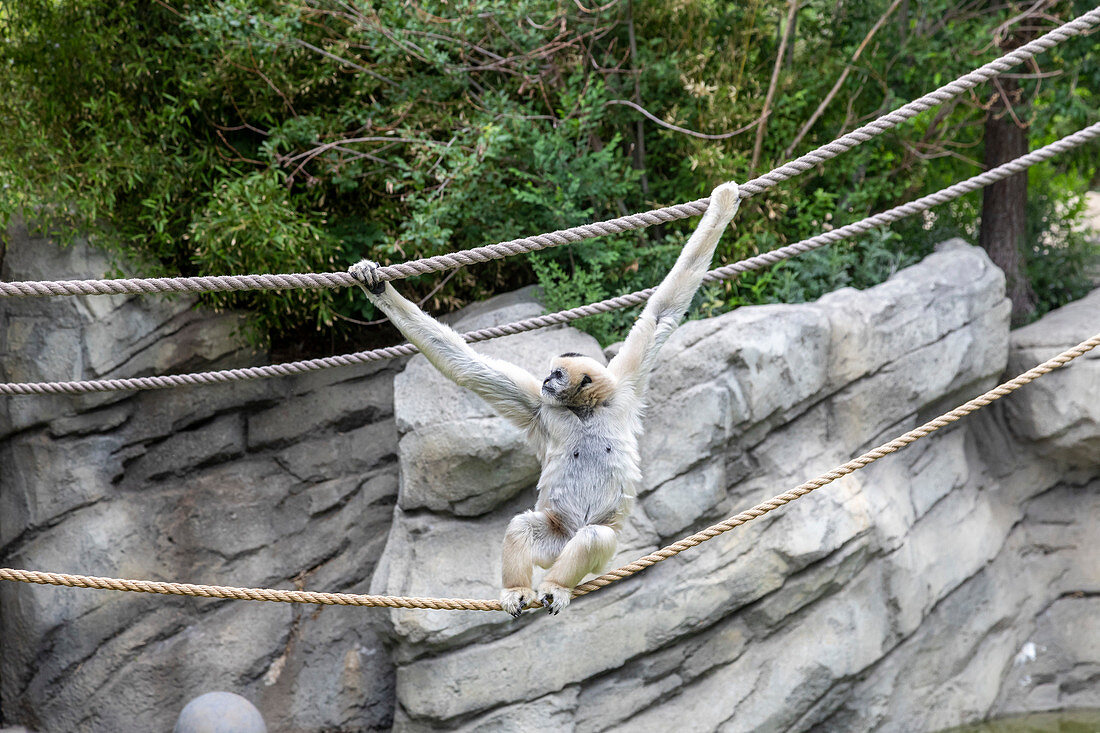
column 346, row 62
column 639, row 128
column 684, row 130
column 758, row 145
column 599, row 9
column 840, row 81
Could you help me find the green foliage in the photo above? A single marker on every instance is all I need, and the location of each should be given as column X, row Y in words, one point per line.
column 856, row 263
column 251, row 225
column 1060, row 251
column 223, row 136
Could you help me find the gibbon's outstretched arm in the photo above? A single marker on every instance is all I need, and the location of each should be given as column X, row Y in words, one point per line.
column 510, row 389
column 667, row 306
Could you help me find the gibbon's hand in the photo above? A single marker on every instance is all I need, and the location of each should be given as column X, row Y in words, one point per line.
column 365, row 272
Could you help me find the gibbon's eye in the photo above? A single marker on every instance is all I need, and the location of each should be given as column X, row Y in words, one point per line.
column 586, row 380
column 557, row 374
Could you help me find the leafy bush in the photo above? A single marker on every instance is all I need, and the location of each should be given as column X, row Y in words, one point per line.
column 1060, row 250
column 223, row 136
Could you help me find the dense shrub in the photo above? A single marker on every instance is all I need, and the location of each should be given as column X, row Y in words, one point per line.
column 222, row 137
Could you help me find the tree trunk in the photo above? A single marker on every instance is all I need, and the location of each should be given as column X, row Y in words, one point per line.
column 1003, row 231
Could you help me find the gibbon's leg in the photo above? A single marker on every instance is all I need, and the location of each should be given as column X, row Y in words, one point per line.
column 531, row 539
column 587, row 552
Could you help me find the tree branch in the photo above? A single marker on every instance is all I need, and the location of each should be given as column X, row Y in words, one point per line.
column 758, row 146
column 840, row 81
column 684, row 130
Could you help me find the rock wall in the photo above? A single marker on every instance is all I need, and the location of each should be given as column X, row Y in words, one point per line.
column 953, row 580
column 275, row 483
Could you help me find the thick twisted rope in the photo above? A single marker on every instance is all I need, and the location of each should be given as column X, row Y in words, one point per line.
column 552, row 319
column 346, row 599
column 245, row 594
column 572, row 234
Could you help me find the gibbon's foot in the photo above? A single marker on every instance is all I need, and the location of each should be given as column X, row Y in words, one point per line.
column 364, row 272
column 513, row 600
column 555, row 597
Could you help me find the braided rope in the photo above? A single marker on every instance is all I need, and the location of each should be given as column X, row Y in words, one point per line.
column 552, row 319
column 345, row 599
column 245, row 594
column 572, row 234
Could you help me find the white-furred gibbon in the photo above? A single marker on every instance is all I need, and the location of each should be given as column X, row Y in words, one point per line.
column 583, row 419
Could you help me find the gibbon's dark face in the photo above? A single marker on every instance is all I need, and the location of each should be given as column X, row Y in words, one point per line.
column 578, row 381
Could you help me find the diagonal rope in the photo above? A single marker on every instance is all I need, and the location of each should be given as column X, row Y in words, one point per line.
column 572, row 234
column 552, row 319
column 348, row 599
column 840, row 471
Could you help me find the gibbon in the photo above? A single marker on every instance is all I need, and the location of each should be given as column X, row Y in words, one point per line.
column 583, row 419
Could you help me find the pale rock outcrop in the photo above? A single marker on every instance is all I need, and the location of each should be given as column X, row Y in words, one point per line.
column 767, row 627
column 1061, row 417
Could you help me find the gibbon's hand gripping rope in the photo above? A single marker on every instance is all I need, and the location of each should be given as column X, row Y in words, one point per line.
column 349, row 599
column 564, row 236
column 530, row 324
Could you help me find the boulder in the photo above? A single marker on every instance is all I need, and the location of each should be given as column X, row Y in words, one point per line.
column 285, row 483
column 1060, row 413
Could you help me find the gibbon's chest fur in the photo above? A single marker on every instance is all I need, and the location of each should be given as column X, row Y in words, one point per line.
column 590, row 462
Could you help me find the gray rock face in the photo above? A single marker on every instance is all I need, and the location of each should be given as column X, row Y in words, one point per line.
column 950, row 581
column 1061, row 416
column 278, row 483
column 767, row 627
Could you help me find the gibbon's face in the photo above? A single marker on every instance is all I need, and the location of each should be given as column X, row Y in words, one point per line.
column 578, row 381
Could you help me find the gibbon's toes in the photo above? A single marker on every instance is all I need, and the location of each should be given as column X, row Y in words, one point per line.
column 513, row 600
column 554, row 597
column 726, row 197
column 364, row 272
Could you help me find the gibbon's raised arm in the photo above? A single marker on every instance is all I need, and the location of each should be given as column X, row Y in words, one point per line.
column 510, row 389
column 667, row 306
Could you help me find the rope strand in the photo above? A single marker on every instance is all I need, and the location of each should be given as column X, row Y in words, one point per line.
column 564, row 236
column 552, row 319
column 459, row 604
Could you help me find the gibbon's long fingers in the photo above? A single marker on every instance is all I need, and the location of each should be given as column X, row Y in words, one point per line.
column 514, row 600
column 554, row 597
column 724, row 201
column 364, row 274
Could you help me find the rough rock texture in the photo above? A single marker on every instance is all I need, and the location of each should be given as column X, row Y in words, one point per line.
column 278, row 483
column 953, row 580
column 777, row 625
column 1052, row 414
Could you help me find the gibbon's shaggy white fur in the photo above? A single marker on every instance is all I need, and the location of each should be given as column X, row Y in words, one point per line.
column 583, row 420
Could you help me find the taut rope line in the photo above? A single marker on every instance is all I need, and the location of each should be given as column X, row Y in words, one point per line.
column 530, row 324
column 349, row 599
column 573, row 234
